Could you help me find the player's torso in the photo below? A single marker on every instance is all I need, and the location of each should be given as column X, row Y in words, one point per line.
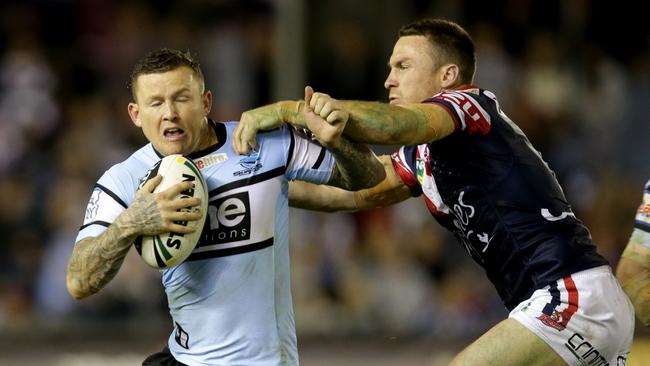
column 503, row 203
column 230, row 300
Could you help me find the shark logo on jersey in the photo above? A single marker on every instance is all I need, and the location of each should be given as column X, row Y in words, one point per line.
column 250, row 163
column 229, row 220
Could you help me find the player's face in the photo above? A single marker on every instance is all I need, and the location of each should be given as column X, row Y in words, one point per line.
column 171, row 108
column 413, row 76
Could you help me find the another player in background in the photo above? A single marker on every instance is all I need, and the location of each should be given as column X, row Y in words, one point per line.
column 634, row 267
column 481, row 178
column 230, row 301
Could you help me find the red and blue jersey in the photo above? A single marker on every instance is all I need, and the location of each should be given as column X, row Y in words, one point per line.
column 487, row 184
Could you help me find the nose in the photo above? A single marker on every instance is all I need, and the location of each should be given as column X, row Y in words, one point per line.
column 390, row 81
column 169, row 111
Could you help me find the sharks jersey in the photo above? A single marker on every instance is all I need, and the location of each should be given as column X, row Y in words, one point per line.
column 230, row 301
column 491, row 188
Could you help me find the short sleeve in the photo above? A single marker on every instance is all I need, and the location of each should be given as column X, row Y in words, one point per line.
column 106, row 203
column 307, row 160
column 465, row 109
column 405, row 164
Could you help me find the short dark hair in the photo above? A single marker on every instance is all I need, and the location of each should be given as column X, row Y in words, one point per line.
column 450, row 40
column 163, row 60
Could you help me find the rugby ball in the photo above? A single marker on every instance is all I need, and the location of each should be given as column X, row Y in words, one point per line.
column 170, row 249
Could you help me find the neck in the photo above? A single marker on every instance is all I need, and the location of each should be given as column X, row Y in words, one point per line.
column 208, row 136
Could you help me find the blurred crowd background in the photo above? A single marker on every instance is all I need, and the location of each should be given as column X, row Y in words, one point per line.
column 573, row 74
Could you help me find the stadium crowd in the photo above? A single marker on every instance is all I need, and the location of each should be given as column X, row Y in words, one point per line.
column 562, row 68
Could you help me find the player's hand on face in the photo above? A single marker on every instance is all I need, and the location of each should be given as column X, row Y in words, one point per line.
column 325, row 116
column 156, row 213
column 251, row 121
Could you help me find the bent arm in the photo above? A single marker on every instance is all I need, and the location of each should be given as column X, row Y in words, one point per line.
column 324, row 198
column 633, row 272
column 96, row 260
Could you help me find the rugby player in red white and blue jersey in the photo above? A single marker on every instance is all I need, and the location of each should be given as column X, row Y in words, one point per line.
column 481, row 178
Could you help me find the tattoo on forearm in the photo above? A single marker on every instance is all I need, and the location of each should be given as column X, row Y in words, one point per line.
column 95, row 261
column 372, row 122
column 356, row 166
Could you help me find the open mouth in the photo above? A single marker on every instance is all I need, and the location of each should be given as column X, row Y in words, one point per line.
column 173, row 134
column 392, row 100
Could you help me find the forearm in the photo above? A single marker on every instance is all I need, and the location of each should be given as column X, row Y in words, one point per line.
column 633, row 272
column 381, row 123
column 356, row 166
column 95, row 261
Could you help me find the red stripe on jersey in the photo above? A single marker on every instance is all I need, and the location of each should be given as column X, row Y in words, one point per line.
column 404, row 172
column 432, row 207
column 573, row 300
column 477, row 120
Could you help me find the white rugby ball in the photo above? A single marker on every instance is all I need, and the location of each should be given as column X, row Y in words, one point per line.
column 170, row 249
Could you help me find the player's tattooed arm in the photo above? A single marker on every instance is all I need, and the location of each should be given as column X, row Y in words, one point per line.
column 356, row 165
column 95, row 261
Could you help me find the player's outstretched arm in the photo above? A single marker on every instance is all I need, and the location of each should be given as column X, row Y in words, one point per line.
column 265, row 118
column 381, row 123
column 332, row 199
column 633, row 272
column 95, row 261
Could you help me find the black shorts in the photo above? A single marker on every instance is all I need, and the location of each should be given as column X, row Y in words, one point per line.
column 162, row 358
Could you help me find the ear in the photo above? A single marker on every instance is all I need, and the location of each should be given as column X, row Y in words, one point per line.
column 134, row 113
column 449, row 76
column 207, row 102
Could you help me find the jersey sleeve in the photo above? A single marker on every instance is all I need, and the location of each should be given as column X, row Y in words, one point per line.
column 465, row 109
column 307, row 160
column 642, row 219
column 405, row 164
column 107, row 201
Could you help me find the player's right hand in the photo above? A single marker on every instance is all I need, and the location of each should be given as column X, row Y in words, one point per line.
column 156, row 213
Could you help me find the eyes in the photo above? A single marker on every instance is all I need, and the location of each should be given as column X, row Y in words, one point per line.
column 156, row 102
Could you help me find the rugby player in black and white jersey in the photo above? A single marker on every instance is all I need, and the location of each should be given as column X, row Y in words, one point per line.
column 481, row 178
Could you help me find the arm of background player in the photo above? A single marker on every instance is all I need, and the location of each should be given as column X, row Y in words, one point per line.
column 331, row 199
column 96, row 260
column 633, row 272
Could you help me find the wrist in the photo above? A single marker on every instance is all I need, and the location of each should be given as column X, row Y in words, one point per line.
column 290, row 111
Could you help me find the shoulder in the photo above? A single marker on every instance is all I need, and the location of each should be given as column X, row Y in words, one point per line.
column 131, row 169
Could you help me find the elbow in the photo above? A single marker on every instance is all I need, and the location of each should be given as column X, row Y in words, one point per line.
column 75, row 290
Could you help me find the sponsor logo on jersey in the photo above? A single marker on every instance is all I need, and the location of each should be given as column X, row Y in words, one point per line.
column 250, row 163
column 586, row 353
column 211, row 160
column 229, row 220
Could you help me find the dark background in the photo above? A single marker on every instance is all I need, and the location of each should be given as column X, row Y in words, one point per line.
column 380, row 287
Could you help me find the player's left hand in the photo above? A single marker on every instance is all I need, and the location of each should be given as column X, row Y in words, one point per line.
column 251, row 121
column 324, row 116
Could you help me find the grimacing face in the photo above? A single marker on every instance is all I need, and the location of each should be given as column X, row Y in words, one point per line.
column 171, row 108
column 412, row 76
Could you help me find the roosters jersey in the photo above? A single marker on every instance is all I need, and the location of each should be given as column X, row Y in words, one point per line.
column 491, row 188
column 230, row 301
